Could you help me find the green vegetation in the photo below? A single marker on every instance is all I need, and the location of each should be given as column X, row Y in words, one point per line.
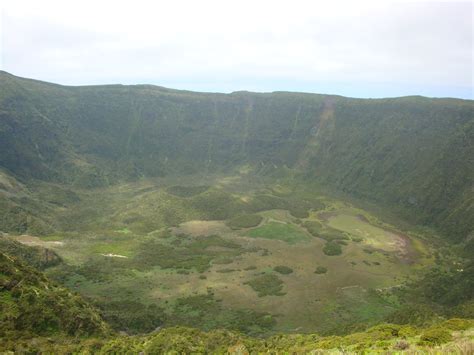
column 113, row 136
column 132, row 316
column 30, row 304
column 40, row 316
column 332, row 248
column 299, row 211
column 183, row 340
column 279, row 231
column 187, row 253
column 267, row 285
column 317, row 229
column 132, row 190
column 186, row 191
column 37, row 256
column 245, row 221
column 284, row 270
column 435, row 336
column 206, row 313
column 321, row 270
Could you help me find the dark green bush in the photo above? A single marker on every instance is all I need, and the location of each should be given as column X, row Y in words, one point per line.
column 321, row 270
column 281, row 269
column 266, row 285
column 332, row 248
column 245, row 221
column 435, row 336
column 457, row 324
column 186, row 191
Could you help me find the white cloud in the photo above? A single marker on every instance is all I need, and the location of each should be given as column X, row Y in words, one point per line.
column 222, row 45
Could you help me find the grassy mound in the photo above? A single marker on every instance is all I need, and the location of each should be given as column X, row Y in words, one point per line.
column 245, row 221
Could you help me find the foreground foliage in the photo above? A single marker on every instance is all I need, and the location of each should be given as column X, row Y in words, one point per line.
column 32, row 304
column 383, row 338
column 38, row 316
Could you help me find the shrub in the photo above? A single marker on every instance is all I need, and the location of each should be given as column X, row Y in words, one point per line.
column 244, row 221
column 226, row 270
column 251, row 267
column 332, row 248
column 401, row 345
column 281, row 269
column 384, row 331
column 314, row 228
column 407, row 331
column 299, row 211
column 321, row 270
column 330, row 342
column 457, row 324
column 266, row 285
column 435, row 336
column 186, row 191
column 416, row 314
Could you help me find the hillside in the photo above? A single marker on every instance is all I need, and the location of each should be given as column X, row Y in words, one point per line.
column 31, row 305
column 412, row 155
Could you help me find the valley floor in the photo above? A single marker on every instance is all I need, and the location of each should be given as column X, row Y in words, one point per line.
column 231, row 252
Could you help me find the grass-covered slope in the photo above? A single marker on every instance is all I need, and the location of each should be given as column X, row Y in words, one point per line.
column 412, row 154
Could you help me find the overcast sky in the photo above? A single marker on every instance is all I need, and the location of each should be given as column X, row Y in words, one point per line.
column 352, row 48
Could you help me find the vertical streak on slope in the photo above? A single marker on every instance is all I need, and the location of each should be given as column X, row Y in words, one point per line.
column 295, row 122
column 316, row 133
column 135, row 111
column 211, row 138
column 247, row 110
column 234, row 117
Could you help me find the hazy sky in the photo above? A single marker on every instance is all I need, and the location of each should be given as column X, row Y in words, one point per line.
column 352, row 48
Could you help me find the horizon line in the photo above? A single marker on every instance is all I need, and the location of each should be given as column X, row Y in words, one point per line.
column 237, row 91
